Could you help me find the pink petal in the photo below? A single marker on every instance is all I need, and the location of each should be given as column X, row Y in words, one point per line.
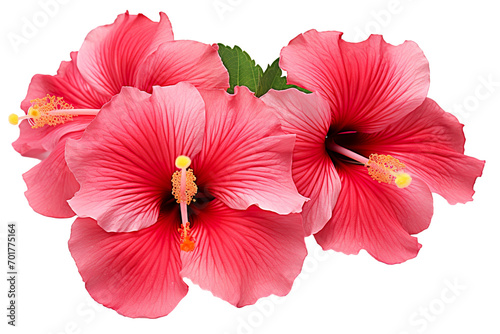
column 369, row 84
column 111, row 55
column 176, row 61
column 38, row 143
column 377, row 217
column 51, row 184
column 125, row 160
column 246, row 159
column 68, row 84
column 430, row 142
column 136, row 273
column 308, row 116
column 241, row 256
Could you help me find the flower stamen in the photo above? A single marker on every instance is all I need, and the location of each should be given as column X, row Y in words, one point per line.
column 183, row 186
column 387, row 169
column 184, row 189
column 50, row 110
column 381, row 168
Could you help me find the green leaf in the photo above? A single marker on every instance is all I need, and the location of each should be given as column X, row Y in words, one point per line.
column 273, row 79
column 244, row 72
column 241, row 67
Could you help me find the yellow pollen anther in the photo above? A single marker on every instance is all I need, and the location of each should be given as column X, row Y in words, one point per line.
column 13, row 119
column 182, row 162
column 187, row 241
column 191, row 187
column 387, row 169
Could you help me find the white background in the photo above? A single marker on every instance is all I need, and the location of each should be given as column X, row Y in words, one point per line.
column 336, row 293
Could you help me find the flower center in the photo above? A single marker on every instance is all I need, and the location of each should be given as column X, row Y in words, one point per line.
column 50, row 110
column 381, row 168
column 183, row 189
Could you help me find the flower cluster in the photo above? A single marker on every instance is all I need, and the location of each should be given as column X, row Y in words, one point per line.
column 171, row 176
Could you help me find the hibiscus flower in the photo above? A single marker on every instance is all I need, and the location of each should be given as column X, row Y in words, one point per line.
column 237, row 233
column 379, row 146
column 133, row 51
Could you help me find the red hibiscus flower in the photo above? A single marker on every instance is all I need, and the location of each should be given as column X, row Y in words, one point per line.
column 379, row 146
column 236, row 234
column 133, row 51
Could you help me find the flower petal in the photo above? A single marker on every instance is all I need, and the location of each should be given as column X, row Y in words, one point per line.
column 38, row 143
column 241, row 256
column 377, row 217
column 68, row 84
column 176, row 61
column 126, row 157
column 136, row 273
column 51, row 184
column 308, row 116
column 111, row 55
column 430, row 142
column 368, row 84
column 246, row 159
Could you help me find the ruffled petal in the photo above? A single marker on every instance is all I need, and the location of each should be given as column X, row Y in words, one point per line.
column 125, row 160
column 377, row 217
column 38, row 143
column 369, row 84
column 111, row 55
column 51, row 184
column 430, row 142
column 176, row 61
column 308, row 116
column 241, row 256
column 68, row 84
column 246, row 159
column 136, row 273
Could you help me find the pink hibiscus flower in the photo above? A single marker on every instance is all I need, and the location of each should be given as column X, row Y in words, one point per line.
column 133, row 51
column 371, row 132
column 236, row 235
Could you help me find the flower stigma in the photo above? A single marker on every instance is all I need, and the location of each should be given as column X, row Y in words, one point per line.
column 52, row 111
column 184, row 188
